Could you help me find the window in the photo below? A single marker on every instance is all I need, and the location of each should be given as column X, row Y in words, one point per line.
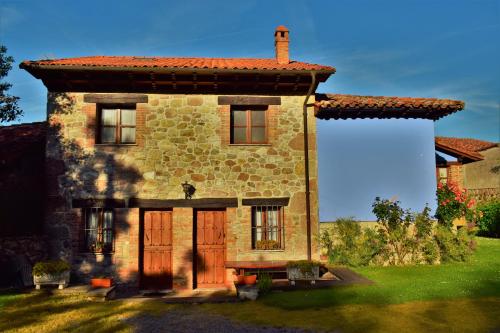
column 267, row 227
column 248, row 125
column 443, row 175
column 117, row 124
column 98, row 230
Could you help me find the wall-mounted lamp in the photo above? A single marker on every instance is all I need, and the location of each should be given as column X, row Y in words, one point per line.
column 188, row 190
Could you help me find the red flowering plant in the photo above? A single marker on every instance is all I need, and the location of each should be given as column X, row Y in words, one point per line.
column 454, row 203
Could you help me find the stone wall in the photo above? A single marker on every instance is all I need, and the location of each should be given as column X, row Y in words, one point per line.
column 179, row 138
column 33, row 247
column 483, row 174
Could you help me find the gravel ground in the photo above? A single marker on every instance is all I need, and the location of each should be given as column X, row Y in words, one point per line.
column 195, row 321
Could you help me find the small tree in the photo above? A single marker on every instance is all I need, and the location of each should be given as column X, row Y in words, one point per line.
column 393, row 226
column 9, row 109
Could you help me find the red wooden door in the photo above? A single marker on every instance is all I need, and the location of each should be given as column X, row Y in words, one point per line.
column 210, row 248
column 157, row 250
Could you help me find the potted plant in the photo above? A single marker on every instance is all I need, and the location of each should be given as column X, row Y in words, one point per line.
column 249, row 278
column 51, row 272
column 267, row 245
column 303, row 270
column 239, row 279
column 101, row 282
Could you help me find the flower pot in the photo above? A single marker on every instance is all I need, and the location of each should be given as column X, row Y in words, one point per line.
column 239, row 279
column 250, row 279
column 61, row 279
column 323, row 257
column 295, row 273
column 101, row 282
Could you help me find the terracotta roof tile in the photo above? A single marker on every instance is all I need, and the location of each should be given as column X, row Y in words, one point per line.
column 164, row 62
column 340, row 106
column 464, row 146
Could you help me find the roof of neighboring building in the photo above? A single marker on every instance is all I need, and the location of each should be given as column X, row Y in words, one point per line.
column 177, row 63
column 463, row 147
column 16, row 140
column 341, row 106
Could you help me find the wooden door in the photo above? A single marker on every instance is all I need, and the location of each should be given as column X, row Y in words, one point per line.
column 210, row 248
column 157, row 250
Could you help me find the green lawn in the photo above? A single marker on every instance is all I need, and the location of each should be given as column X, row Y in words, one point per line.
column 462, row 297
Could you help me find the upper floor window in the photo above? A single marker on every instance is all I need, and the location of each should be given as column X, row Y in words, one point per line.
column 443, row 175
column 98, row 231
column 117, row 124
column 267, row 227
column 248, row 124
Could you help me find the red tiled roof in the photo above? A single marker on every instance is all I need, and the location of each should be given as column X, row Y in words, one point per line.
column 16, row 140
column 463, row 146
column 340, row 106
column 163, row 62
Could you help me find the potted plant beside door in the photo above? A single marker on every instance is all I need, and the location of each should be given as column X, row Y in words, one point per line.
column 249, row 279
column 51, row 272
column 101, row 282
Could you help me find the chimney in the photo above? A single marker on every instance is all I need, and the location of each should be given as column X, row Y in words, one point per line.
column 281, row 45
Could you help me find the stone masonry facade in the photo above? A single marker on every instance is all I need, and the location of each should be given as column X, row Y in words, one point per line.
column 178, row 138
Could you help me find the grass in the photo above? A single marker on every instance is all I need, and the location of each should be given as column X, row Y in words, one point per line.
column 460, row 297
column 7, row 297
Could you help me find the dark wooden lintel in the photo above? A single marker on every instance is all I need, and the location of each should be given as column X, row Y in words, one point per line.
column 248, row 100
column 192, row 203
column 99, row 203
column 115, row 98
column 266, row 202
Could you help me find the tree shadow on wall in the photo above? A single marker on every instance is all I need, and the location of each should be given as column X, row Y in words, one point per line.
column 77, row 169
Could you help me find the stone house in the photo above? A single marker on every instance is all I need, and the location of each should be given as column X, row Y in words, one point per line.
column 175, row 172
column 474, row 165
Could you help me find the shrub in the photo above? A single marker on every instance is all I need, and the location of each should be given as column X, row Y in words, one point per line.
column 348, row 244
column 453, row 203
column 394, row 231
column 429, row 251
column 488, row 222
column 264, row 282
column 52, row 267
column 326, row 241
column 453, row 246
column 401, row 237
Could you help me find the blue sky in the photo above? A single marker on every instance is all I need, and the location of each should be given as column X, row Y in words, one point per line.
column 446, row 49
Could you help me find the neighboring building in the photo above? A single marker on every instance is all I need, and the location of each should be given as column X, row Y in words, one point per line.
column 126, row 133
column 22, row 185
column 476, row 168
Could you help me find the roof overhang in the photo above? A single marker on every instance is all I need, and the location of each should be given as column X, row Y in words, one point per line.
column 175, row 79
column 461, row 155
column 340, row 106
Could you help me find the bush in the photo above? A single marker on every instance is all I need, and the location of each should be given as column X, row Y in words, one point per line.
column 401, row 237
column 264, row 282
column 488, row 222
column 453, row 203
column 399, row 245
column 52, row 267
column 347, row 244
column 453, row 246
